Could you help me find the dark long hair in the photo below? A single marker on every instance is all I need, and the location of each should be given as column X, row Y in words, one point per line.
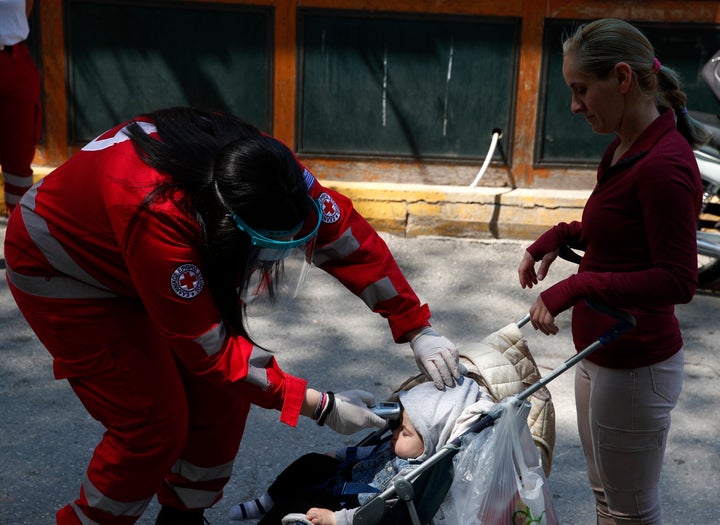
column 220, row 164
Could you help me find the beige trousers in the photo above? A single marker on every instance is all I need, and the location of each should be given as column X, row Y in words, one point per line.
column 623, row 420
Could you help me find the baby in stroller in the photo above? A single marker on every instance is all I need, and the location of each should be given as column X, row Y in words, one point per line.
column 328, row 488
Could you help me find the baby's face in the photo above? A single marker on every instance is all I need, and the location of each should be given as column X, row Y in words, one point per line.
column 406, row 442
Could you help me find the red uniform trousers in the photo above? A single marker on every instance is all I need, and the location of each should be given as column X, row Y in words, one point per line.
column 155, row 412
column 20, row 120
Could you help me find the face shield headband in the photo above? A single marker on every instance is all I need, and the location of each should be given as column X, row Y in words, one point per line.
column 277, row 263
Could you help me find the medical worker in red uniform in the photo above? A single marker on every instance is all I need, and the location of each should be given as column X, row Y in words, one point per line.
column 133, row 263
column 638, row 235
column 20, row 116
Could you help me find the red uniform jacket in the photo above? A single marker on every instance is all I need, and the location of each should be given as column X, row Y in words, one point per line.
column 70, row 241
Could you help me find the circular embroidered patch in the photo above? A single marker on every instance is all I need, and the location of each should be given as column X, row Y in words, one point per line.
column 187, row 281
column 329, row 208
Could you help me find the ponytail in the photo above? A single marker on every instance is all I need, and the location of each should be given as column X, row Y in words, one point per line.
column 670, row 92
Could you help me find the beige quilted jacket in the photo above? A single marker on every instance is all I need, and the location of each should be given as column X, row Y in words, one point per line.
column 503, row 364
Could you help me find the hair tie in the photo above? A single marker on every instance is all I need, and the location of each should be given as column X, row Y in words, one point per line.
column 656, row 65
column 684, row 111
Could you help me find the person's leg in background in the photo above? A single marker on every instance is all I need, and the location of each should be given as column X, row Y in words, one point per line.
column 20, row 121
column 623, row 420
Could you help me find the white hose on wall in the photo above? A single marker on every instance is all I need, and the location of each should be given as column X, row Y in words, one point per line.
column 496, row 135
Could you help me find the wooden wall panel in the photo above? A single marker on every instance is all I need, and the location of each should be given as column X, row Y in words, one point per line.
column 522, row 173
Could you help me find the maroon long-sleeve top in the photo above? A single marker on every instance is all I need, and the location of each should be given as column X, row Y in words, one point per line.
column 638, row 234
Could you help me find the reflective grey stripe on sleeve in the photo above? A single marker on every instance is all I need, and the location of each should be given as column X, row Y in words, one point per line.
column 53, row 251
column 212, row 341
column 98, row 500
column 195, row 473
column 259, row 357
column 97, row 144
column 257, row 372
column 56, row 287
column 345, row 245
column 378, row 291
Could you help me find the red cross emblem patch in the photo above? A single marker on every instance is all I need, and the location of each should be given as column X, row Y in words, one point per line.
column 187, row 281
column 328, row 208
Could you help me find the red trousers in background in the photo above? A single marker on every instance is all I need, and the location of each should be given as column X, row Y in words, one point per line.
column 20, row 120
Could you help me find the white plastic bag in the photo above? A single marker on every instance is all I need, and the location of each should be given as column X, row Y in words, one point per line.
column 498, row 476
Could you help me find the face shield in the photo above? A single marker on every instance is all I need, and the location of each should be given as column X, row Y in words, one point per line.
column 278, row 262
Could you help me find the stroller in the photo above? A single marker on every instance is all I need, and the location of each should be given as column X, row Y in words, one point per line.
column 416, row 498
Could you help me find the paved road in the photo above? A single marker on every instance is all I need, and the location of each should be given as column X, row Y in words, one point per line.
column 46, row 437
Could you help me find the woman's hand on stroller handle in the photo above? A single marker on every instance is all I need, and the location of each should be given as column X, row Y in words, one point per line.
column 541, row 318
column 348, row 412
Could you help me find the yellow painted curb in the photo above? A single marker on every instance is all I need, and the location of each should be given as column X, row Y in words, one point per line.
column 412, row 210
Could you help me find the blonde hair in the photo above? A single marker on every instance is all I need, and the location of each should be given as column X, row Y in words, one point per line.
column 598, row 46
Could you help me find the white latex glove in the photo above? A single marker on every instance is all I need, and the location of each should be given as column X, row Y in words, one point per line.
column 347, row 412
column 470, row 415
column 437, row 357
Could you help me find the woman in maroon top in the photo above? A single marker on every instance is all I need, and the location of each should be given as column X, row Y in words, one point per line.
column 638, row 235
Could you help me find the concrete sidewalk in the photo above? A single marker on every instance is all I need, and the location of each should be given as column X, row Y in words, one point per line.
column 46, row 437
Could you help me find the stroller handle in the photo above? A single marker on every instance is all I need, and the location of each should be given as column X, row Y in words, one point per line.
column 625, row 321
